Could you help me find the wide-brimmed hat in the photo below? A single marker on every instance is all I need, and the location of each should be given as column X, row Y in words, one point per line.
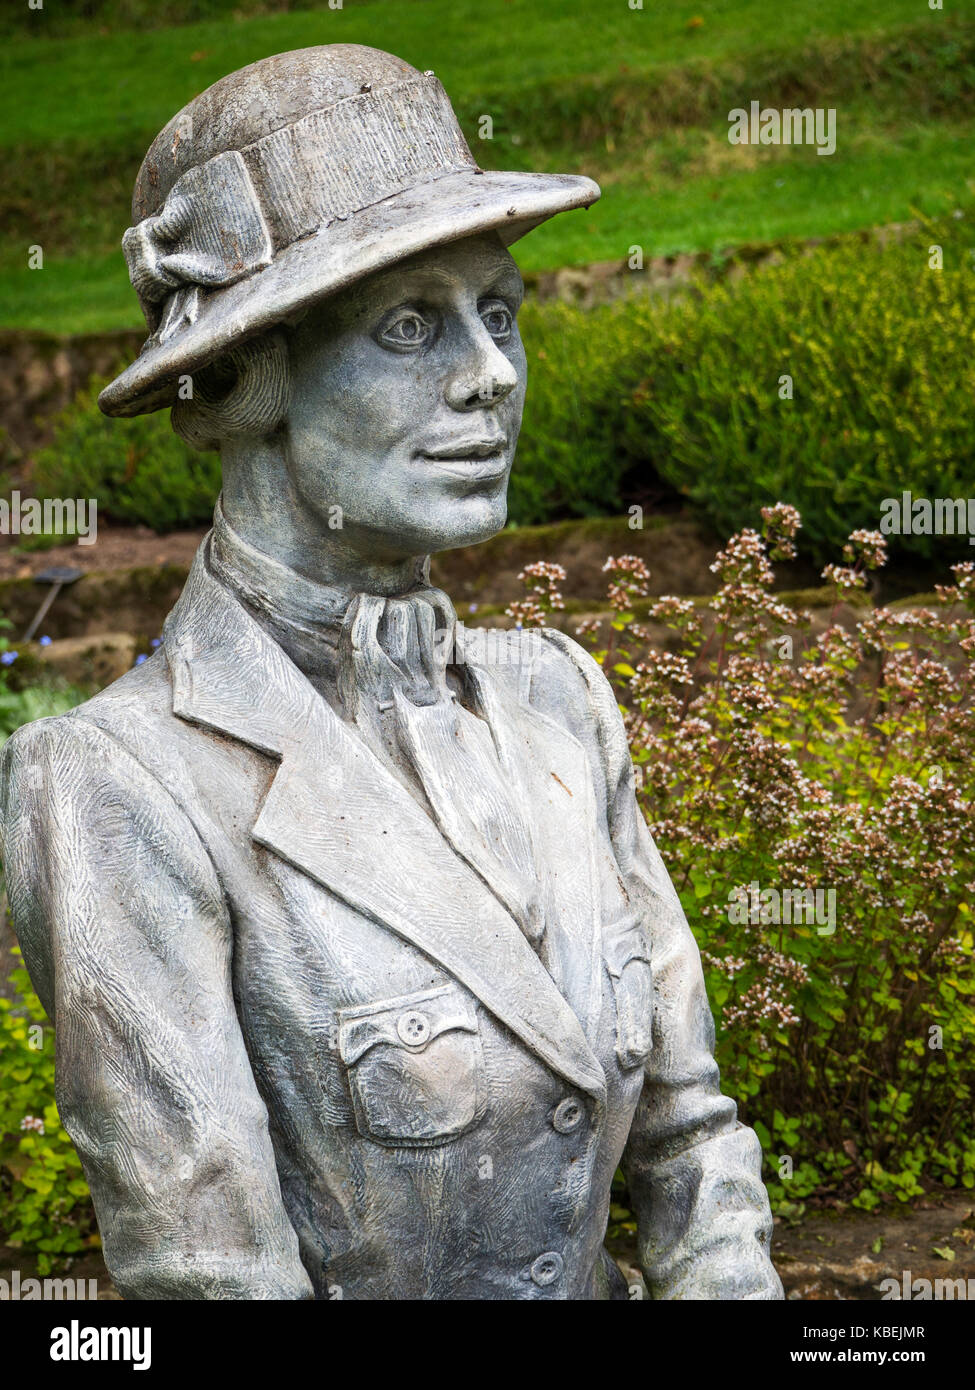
column 289, row 180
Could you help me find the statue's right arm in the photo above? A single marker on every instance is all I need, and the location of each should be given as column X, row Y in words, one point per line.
column 126, row 933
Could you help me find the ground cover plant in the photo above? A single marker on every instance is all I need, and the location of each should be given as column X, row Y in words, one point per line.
column 637, row 99
column 27, row 691
column 45, row 1205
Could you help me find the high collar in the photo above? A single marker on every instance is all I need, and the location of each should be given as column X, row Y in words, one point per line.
column 303, row 616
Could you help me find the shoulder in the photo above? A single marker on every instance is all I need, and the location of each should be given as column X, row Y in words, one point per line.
column 106, row 752
column 558, row 678
column 100, row 729
column 88, row 788
column 569, row 678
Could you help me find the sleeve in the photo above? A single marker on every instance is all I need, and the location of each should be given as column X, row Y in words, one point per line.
column 126, row 934
column 693, row 1171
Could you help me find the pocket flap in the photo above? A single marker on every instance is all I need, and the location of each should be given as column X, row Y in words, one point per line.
column 410, row 1021
column 624, row 941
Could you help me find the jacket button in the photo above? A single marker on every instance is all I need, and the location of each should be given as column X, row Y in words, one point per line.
column 413, row 1027
column 547, row 1268
column 568, row 1115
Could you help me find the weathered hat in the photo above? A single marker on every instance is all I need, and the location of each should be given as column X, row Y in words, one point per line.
column 287, row 181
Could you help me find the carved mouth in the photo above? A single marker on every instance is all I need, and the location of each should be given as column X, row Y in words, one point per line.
column 475, row 460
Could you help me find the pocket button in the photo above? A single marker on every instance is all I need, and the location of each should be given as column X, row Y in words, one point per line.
column 568, row 1115
column 547, row 1268
column 413, row 1027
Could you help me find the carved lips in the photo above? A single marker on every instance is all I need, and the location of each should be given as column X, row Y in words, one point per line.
column 480, row 460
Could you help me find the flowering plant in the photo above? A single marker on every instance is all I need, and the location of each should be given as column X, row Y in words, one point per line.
column 809, row 780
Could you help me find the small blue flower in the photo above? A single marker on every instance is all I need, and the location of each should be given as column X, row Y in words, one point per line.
column 140, row 659
column 472, row 607
column 45, row 642
column 155, row 642
column 8, row 658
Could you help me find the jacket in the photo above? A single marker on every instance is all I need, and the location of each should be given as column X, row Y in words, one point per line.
column 303, row 1049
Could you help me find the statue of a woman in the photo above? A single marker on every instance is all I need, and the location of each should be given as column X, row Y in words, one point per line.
column 365, row 972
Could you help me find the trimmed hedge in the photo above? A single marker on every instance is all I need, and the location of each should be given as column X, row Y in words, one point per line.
column 879, row 349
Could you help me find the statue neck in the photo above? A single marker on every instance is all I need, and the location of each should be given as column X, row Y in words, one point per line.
column 262, row 508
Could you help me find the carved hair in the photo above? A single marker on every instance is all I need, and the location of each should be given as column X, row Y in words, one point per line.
column 244, row 392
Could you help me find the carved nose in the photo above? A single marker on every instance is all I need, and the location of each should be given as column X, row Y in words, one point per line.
column 484, row 382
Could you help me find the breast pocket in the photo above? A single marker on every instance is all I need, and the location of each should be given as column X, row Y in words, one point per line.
column 626, row 951
column 415, row 1066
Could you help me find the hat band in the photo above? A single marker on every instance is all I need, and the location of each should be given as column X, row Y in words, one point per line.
column 227, row 218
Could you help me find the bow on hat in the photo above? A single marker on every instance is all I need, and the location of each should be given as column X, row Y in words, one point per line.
column 211, row 232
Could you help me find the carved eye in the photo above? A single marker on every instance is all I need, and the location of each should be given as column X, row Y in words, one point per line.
column 405, row 329
column 497, row 318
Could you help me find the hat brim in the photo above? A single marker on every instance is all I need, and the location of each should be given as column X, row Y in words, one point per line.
column 457, row 205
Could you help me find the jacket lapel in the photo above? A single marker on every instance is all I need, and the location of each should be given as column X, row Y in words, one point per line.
column 336, row 813
column 551, row 772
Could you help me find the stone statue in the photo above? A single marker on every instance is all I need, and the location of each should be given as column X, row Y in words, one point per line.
column 365, row 973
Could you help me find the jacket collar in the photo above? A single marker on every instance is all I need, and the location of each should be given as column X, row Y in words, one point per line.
column 336, row 813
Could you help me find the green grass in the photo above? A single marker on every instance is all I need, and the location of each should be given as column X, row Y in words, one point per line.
column 84, row 294
column 638, row 99
column 868, row 182
column 97, row 84
column 104, row 16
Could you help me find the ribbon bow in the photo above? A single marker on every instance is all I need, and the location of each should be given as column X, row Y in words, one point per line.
column 209, row 233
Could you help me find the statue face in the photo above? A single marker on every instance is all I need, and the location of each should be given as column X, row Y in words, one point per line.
column 407, row 393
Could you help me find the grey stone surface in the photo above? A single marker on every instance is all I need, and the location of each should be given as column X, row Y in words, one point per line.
column 365, row 972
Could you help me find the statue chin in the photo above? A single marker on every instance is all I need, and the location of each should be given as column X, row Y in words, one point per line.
column 482, row 518
column 472, row 528
column 445, row 526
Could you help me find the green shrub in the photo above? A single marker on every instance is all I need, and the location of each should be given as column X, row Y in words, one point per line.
column 137, row 470
column 45, row 1205
column 878, row 347
column 879, row 350
column 567, row 462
